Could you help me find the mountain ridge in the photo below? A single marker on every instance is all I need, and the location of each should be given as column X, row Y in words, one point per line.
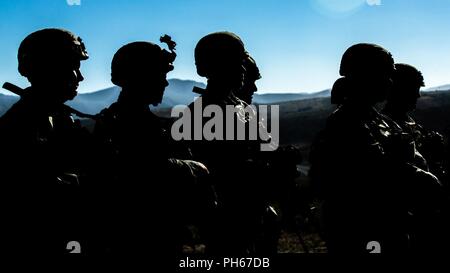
column 179, row 92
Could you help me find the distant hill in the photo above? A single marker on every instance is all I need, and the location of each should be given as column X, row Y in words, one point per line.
column 445, row 87
column 178, row 92
column 301, row 120
column 271, row 98
column 302, row 115
column 6, row 102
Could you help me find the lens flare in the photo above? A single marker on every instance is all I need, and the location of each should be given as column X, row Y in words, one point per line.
column 337, row 8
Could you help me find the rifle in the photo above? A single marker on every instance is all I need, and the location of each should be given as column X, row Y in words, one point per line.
column 21, row 92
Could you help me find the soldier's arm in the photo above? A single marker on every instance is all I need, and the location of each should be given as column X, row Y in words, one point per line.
column 187, row 169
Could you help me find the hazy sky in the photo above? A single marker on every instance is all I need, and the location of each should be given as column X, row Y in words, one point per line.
column 297, row 43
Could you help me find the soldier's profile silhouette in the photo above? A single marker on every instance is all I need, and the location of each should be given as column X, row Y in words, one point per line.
column 149, row 189
column 429, row 229
column 276, row 174
column 41, row 163
column 251, row 75
column 405, row 92
column 360, row 162
column 221, row 58
column 401, row 101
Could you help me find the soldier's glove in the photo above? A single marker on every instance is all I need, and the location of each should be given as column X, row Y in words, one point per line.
column 197, row 169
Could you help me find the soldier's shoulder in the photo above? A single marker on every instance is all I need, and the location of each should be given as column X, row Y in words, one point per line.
column 338, row 117
column 106, row 118
column 18, row 122
column 109, row 113
column 19, row 111
column 344, row 122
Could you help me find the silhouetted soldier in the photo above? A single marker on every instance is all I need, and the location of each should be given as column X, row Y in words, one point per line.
column 251, row 75
column 220, row 57
column 361, row 162
column 276, row 172
column 41, row 160
column 338, row 91
column 401, row 100
column 149, row 192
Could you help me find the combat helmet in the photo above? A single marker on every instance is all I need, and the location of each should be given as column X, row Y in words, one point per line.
column 46, row 46
column 137, row 57
column 217, row 52
column 367, row 71
column 408, row 73
column 365, row 58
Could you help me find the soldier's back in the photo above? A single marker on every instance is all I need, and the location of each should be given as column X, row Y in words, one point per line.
column 352, row 173
column 39, row 203
column 143, row 210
